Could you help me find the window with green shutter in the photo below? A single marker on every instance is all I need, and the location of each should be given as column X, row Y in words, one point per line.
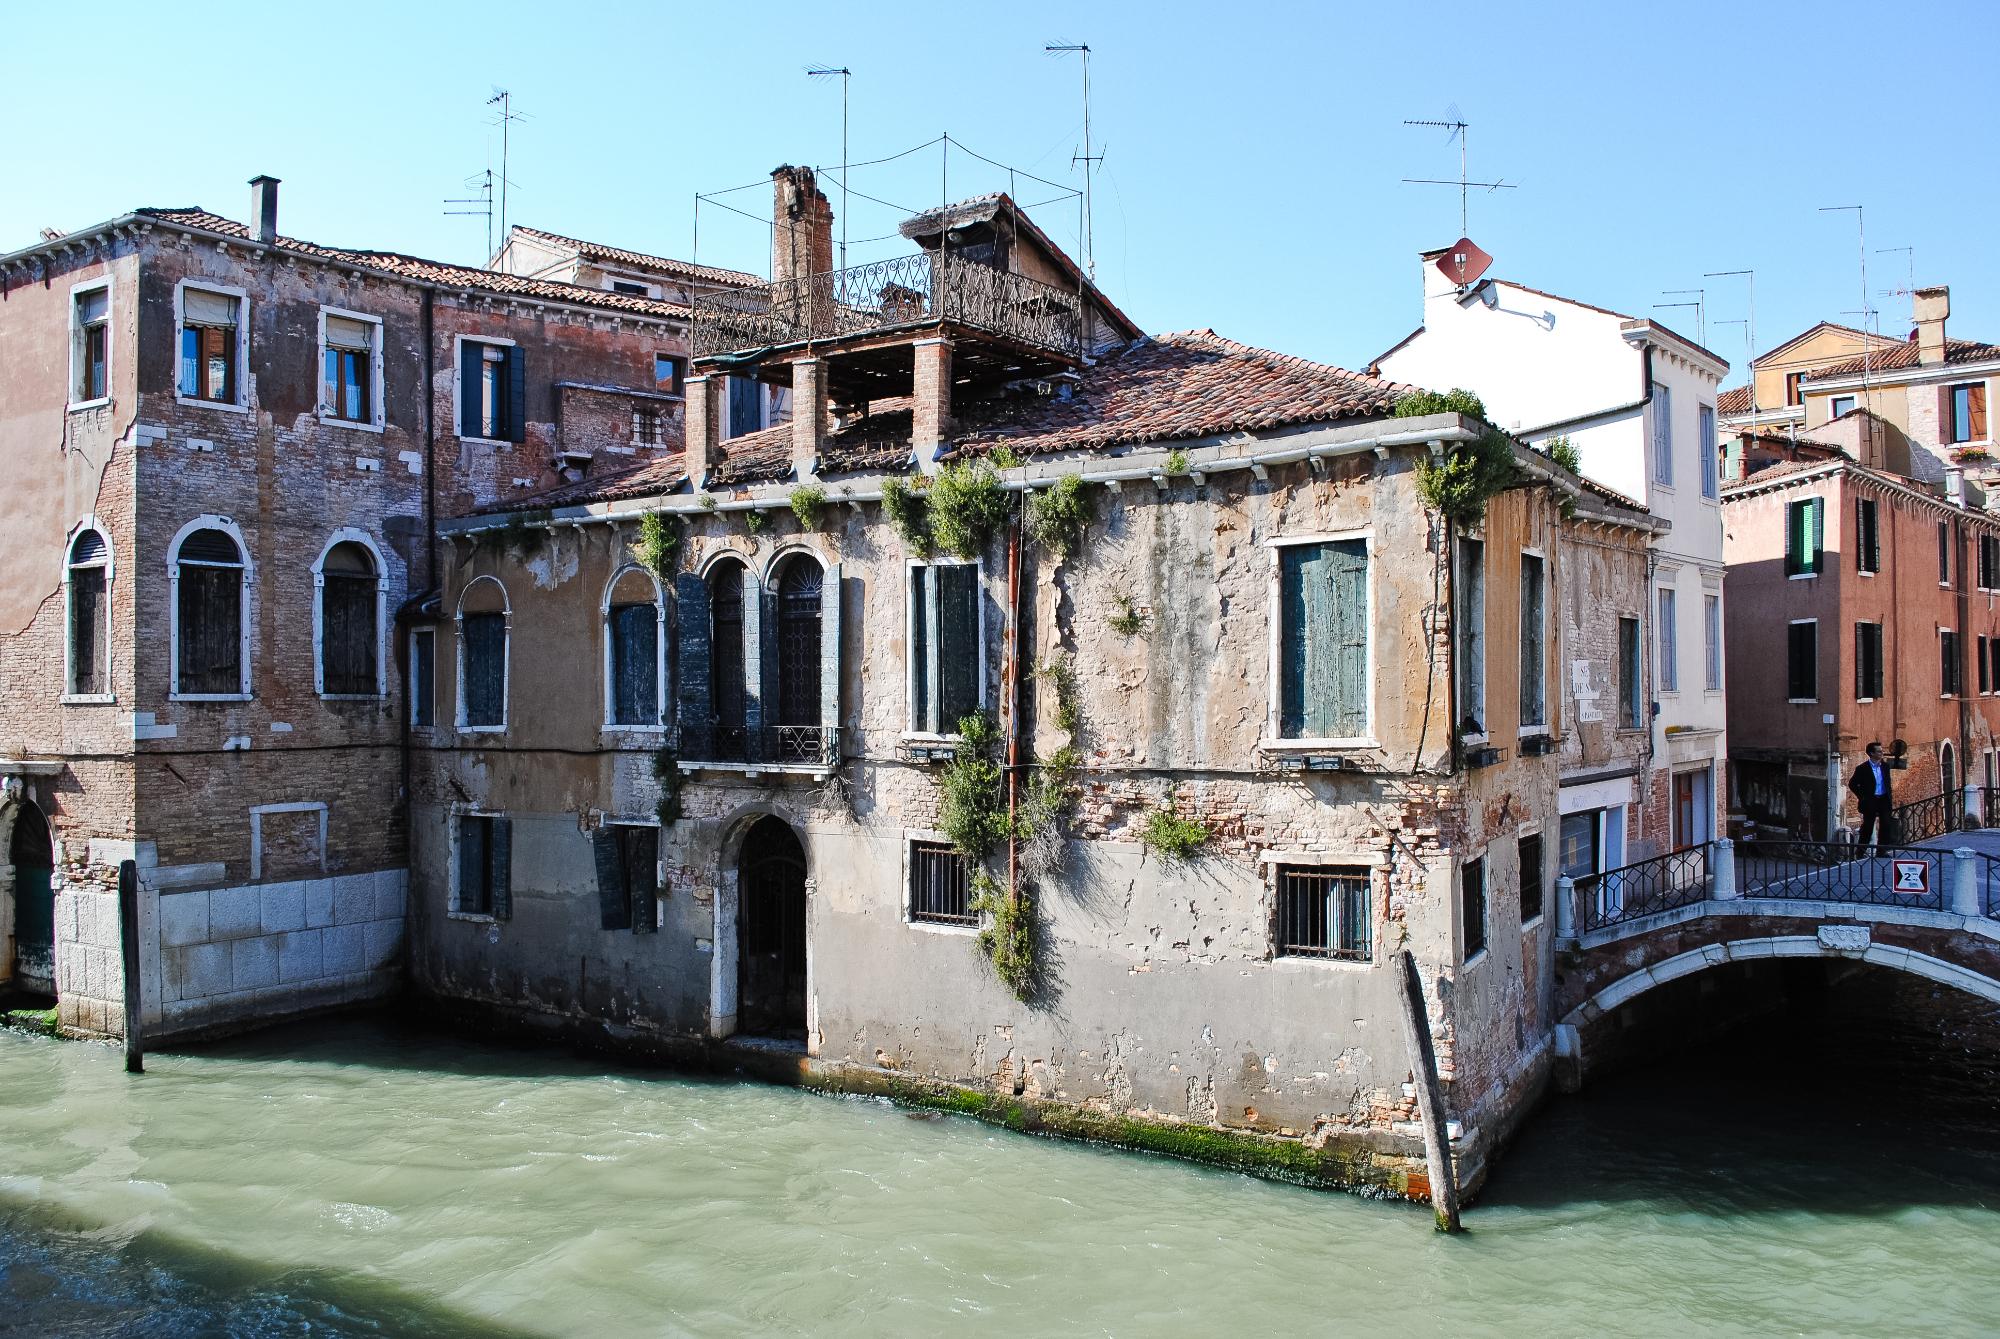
column 944, row 654
column 1323, row 640
column 1805, row 536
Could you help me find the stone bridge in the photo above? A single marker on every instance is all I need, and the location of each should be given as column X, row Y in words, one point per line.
column 1931, row 910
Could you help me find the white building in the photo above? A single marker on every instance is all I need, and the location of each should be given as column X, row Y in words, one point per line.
column 1637, row 401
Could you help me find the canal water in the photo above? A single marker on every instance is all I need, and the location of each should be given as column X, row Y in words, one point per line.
column 348, row 1178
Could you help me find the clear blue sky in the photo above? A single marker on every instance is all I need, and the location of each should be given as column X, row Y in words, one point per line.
column 1253, row 153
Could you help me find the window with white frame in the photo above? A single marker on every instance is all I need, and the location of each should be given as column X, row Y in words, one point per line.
column 634, row 645
column 940, row 885
column 1469, row 617
column 1532, row 875
column 1668, row 627
column 1709, row 464
column 1951, row 679
column 1472, row 907
column 88, row 580
column 423, row 677
column 1711, row 642
column 649, row 426
column 211, row 344
column 946, row 649
column 1322, row 639
column 210, row 576
column 492, row 390
column 350, row 368
column 1868, row 674
column 90, row 343
column 1323, row 911
column 1631, row 701
column 1663, row 435
column 1802, row 661
column 1534, row 644
column 483, row 625
column 348, row 581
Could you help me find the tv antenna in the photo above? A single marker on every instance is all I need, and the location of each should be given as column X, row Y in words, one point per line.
column 828, row 72
column 1909, row 290
column 1700, row 305
column 505, row 101
column 1087, row 158
column 483, row 205
column 1750, row 324
column 1456, row 127
column 1861, row 236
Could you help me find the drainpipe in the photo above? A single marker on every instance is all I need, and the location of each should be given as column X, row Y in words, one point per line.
column 1010, row 668
column 1450, row 648
column 430, row 443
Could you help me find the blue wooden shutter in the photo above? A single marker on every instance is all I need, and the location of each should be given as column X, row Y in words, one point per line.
column 614, row 904
column 635, row 664
column 472, row 848
column 485, row 655
column 957, row 643
column 1348, row 581
column 502, row 867
column 470, row 365
column 1323, row 598
column 1294, row 636
column 829, row 659
column 692, row 664
column 517, row 395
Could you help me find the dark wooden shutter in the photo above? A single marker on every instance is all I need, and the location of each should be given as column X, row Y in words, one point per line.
column 614, row 903
column 347, row 634
column 485, row 667
column 1348, row 582
column 957, row 646
column 760, row 663
column 86, row 621
column 635, row 664
column 1975, row 399
column 692, row 663
column 211, row 629
column 923, row 663
column 1324, row 605
column 473, row 894
column 470, row 366
column 501, row 867
column 829, row 658
column 639, row 849
column 517, row 395
column 423, row 676
column 1802, row 649
column 1947, row 426
column 1816, row 535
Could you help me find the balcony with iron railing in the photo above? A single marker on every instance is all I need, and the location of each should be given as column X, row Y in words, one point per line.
column 905, row 292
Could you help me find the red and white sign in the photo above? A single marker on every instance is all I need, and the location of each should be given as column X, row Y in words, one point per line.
column 1912, row 876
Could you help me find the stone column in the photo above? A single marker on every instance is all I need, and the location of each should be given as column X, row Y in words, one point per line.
column 1723, row 888
column 1965, row 899
column 930, row 425
column 1565, row 907
column 808, row 417
column 704, row 414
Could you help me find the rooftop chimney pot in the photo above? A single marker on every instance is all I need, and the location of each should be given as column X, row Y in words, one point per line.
column 1931, row 307
column 264, row 208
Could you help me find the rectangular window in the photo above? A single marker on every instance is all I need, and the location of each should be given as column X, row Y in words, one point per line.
column 746, row 406
column 1989, row 562
column 91, row 330
column 1980, row 659
column 1944, row 553
column 209, row 345
column 1802, row 661
column 1668, row 627
column 1794, row 394
column 944, row 646
column 485, row 656
column 1964, row 412
column 1711, row 641
column 1631, row 707
column 1709, row 464
column 1471, row 616
column 1867, row 661
column 1534, row 638
column 649, row 427
column 635, row 663
column 939, row 886
column 492, row 392
column 484, row 849
column 1324, row 912
column 1531, row 877
column 1472, row 906
column 87, row 627
column 1805, row 536
column 1663, row 435
column 347, row 389
column 1867, row 551
column 1842, row 404
column 1951, row 678
column 1323, row 647
column 630, row 290
column 628, row 876
column 423, row 676
column 667, row 374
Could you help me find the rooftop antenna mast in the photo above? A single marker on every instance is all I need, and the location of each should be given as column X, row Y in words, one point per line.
column 1086, row 157
column 1861, row 234
column 1909, row 290
column 1456, row 126
column 1750, row 329
column 1700, row 305
column 483, row 183
column 508, row 116
column 828, row 72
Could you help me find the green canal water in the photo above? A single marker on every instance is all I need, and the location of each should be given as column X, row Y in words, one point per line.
column 347, row 1178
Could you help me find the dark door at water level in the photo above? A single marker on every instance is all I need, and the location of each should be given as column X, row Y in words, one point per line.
column 33, row 856
column 771, row 934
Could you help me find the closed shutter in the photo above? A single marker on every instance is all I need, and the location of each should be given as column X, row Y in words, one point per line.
column 640, row 854
column 517, row 395
column 692, row 662
column 923, row 664
column 957, row 647
column 1802, row 673
column 86, row 615
column 1816, row 533
column 347, row 635
column 635, row 664
column 474, row 885
column 485, row 653
column 1324, row 596
column 470, row 363
column 829, row 661
column 760, row 663
column 614, row 902
column 1975, row 398
column 501, row 867
column 1947, row 426
column 211, row 629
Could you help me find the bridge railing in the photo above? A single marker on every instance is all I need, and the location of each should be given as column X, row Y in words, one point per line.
column 1931, row 816
column 1644, row 888
column 1891, row 876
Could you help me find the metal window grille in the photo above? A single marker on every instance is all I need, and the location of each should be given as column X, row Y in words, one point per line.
column 939, row 885
column 1324, row 913
column 648, row 428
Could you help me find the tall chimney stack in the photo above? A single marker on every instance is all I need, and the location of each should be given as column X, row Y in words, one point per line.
column 264, row 208
column 1932, row 306
column 802, row 241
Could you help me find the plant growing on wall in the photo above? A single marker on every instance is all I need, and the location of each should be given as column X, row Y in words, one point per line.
column 1171, row 837
column 1563, row 452
column 967, row 504
column 667, row 771
column 1419, row 404
column 971, row 814
column 1059, row 672
column 908, row 513
column 807, row 504
column 1057, row 515
column 708, row 502
column 1177, row 462
column 659, row 539
column 754, row 520
column 1129, row 621
column 1008, row 937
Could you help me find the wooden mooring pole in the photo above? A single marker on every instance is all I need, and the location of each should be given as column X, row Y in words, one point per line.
column 128, row 943
column 1430, row 1097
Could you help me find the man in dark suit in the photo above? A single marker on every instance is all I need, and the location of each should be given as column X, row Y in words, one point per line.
column 1873, row 792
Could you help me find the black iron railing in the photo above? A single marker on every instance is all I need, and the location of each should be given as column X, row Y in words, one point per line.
column 902, row 291
column 1893, row 876
column 1932, row 816
column 1644, row 888
column 765, row 745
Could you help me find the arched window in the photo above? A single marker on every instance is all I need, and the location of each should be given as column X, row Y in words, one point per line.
column 483, row 624
column 634, row 638
column 88, row 577
column 727, row 685
column 349, row 593
column 208, row 572
column 799, row 584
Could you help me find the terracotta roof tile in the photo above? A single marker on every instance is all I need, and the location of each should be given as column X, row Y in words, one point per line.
column 620, row 256
column 1735, row 400
column 653, row 477
column 433, row 271
column 1905, row 356
column 760, row 457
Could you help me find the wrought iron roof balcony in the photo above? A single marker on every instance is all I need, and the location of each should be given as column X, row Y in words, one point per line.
column 904, row 293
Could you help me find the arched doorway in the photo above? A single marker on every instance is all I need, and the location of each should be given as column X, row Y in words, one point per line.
column 32, row 855
column 1948, row 775
column 771, row 933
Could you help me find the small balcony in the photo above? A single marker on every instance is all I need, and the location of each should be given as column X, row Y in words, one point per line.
column 888, row 296
column 765, row 748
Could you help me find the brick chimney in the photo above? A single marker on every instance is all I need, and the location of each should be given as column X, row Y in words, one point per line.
column 705, row 406
column 802, row 240
column 930, row 401
column 1932, row 306
column 264, row 209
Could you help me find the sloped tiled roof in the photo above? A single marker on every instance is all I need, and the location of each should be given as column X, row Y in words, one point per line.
column 433, row 271
column 979, row 208
column 1905, row 356
column 1735, row 400
column 662, row 474
column 639, row 259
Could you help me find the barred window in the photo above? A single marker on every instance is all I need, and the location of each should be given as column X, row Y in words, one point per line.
column 649, row 428
column 939, row 885
column 1324, row 913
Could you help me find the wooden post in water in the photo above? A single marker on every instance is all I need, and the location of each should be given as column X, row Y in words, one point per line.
column 128, row 942
column 1430, row 1096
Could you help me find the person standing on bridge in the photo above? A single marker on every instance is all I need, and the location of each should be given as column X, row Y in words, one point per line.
column 1873, row 792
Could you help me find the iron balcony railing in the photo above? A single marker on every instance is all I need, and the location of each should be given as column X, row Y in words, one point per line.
column 1932, row 816
column 1892, row 876
column 1644, row 888
column 902, row 291
column 765, row 745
